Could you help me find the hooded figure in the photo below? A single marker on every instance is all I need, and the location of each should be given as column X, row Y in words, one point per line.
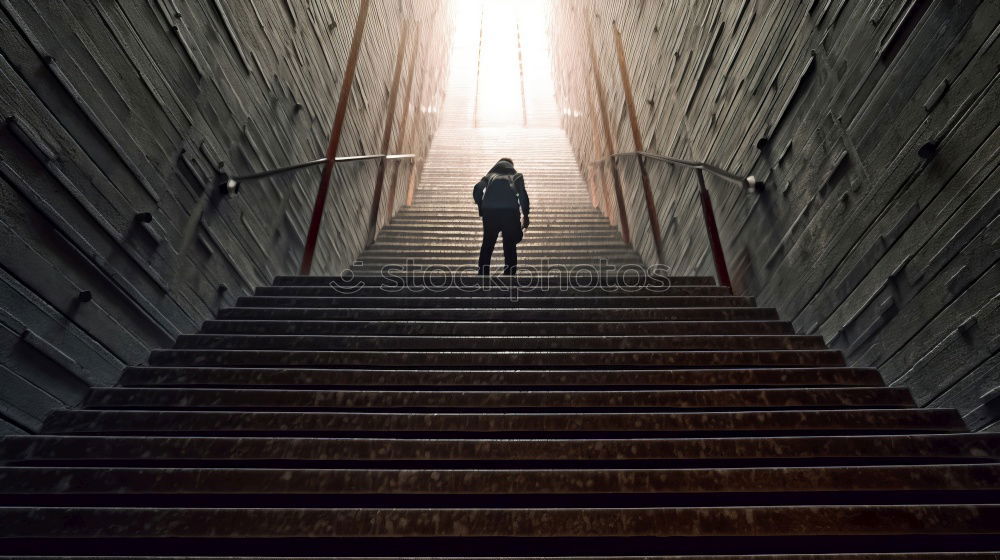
column 501, row 198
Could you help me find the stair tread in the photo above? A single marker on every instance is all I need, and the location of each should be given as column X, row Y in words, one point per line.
column 835, row 556
column 578, row 424
column 402, row 302
column 455, row 342
column 461, row 522
column 241, row 449
column 230, row 398
column 523, row 314
column 499, row 358
column 430, row 378
column 171, row 480
column 487, row 328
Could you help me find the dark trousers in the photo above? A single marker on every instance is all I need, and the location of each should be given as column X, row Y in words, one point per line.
column 496, row 222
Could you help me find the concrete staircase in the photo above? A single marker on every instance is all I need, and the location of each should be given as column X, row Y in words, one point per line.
column 598, row 420
column 579, row 415
column 442, row 228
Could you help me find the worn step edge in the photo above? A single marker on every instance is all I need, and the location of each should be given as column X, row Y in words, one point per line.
column 708, row 342
column 349, row 358
column 609, row 522
column 590, row 314
column 689, row 424
column 800, row 377
column 484, row 328
column 238, row 398
column 54, row 480
column 601, row 279
column 238, row 450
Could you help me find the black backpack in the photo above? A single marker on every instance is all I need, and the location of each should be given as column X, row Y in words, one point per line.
column 500, row 192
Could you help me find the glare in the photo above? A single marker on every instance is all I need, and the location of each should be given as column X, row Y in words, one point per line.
column 487, row 54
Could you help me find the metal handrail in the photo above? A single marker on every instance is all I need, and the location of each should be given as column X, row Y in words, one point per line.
column 749, row 182
column 231, row 185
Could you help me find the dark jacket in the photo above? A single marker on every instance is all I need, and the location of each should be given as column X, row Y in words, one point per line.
column 519, row 196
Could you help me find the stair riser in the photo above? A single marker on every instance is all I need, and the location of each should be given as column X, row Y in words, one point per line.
column 239, row 399
column 499, row 343
column 514, row 301
column 494, row 379
column 522, row 281
column 471, row 252
column 504, row 315
column 955, row 448
column 487, row 291
column 412, row 424
column 468, row 260
column 540, row 359
column 264, row 485
column 446, row 328
column 534, row 249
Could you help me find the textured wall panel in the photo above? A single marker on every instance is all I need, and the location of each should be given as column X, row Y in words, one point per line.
column 119, row 111
column 891, row 256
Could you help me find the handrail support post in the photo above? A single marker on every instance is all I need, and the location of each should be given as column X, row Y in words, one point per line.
column 331, row 152
column 633, row 118
column 390, row 114
column 714, row 240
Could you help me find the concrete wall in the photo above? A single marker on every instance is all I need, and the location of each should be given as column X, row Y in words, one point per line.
column 891, row 256
column 123, row 110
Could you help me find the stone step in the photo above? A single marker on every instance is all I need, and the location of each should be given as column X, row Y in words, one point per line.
column 486, row 328
column 577, row 280
column 470, row 302
column 470, row 214
column 471, row 251
column 565, row 245
column 467, row 264
column 595, row 314
column 466, row 261
column 464, row 207
column 436, row 199
column 475, row 230
column 468, row 267
column 564, row 424
column 549, row 205
column 557, row 246
column 552, row 240
column 539, row 259
column 893, row 521
column 444, row 400
column 554, row 182
column 845, row 556
column 485, row 290
column 473, row 226
column 535, row 246
column 472, row 220
column 556, row 199
column 670, row 487
column 287, row 451
column 549, row 234
column 496, row 359
column 528, row 246
column 435, row 379
column 498, row 342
